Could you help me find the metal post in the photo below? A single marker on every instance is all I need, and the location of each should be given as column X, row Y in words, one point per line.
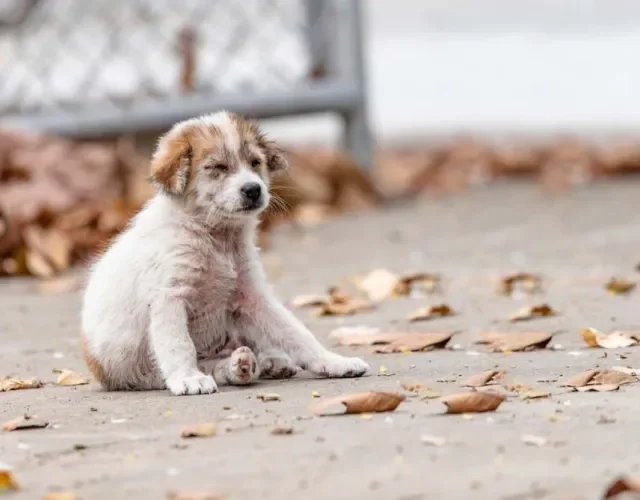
column 356, row 136
column 316, row 27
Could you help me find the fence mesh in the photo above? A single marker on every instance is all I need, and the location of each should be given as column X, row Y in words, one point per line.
column 65, row 54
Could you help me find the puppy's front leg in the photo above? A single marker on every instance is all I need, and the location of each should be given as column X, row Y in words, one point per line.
column 268, row 324
column 173, row 348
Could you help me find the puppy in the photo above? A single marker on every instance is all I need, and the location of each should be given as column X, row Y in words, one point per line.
column 180, row 300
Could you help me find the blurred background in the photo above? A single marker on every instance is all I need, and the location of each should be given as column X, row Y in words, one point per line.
column 378, row 101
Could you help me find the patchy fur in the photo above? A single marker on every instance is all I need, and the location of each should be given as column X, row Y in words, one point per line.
column 180, row 299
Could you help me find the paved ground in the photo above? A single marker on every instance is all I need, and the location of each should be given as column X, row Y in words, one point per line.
column 133, row 448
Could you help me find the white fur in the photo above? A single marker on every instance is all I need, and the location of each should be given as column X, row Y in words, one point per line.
column 182, row 289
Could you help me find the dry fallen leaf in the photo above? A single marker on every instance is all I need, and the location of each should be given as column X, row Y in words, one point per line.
column 472, row 402
column 532, row 312
column 270, row 396
column 207, row 429
column 361, row 402
column 430, row 312
column 532, row 440
column 309, row 301
column 622, row 484
column 15, row 384
column 612, row 377
column 427, row 282
column 70, row 378
column 614, row 340
column 428, row 394
column 389, row 342
column 620, row 286
column 379, row 284
column 282, row 430
column 482, row 379
column 60, row 495
column 412, row 386
column 599, row 377
column 24, row 422
column 344, row 308
column 530, row 283
column 7, row 480
column 195, row 495
column 598, row 388
column 533, row 394
column 515, row 341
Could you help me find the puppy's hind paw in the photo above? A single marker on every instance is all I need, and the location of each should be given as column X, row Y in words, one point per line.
column 276, row 364
column 198, row 383
column 243, row 367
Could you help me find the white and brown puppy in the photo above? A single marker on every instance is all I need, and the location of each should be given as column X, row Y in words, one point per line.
column 180, row 299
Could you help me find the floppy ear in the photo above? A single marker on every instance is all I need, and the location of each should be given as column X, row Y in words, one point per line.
column 171, row 163
column 276, row 157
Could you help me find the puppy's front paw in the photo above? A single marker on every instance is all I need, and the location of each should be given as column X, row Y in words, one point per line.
column 243, row 367
column 198, row 383
column 339, row 366
column 276, row 364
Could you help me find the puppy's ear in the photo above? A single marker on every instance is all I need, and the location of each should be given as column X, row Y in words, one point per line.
column 276, row 157
column 171, row 163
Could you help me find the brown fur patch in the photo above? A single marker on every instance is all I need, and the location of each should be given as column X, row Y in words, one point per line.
column 95, row 367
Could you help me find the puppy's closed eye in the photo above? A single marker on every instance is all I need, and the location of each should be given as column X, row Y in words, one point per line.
column 217, row 167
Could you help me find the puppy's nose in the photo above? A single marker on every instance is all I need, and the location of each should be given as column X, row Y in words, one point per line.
column 251, row 191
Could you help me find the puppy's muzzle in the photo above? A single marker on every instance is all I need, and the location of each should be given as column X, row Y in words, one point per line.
column 252, row 197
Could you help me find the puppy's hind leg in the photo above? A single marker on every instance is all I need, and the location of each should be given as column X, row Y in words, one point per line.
column 275, row 363
column 238, row 367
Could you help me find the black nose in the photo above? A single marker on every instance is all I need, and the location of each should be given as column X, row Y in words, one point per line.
column 251, row 191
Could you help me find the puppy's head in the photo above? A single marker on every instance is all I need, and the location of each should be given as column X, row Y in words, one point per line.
column 219, row 164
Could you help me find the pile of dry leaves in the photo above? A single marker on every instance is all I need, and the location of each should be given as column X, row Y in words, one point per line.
column 61, row 201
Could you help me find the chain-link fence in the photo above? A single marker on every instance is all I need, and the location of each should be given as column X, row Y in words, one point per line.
column 91, row 68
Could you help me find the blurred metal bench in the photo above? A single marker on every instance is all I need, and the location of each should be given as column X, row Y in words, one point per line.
column 97, row 68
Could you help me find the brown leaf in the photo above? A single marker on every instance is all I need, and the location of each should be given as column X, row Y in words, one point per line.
column 614, row 340
column 484, row 378
column 270, row 396
column 427, row 394
column 15, row 384
column 361, row 402
column 390, row 342
column 472, row 402
column 581, row 379
column 620, row 286
column 7, row 480
column 195, row 495
column 430, row 312
column 428, row 283
column 282, row 430
column 309, row 301
column 515, row 341
column 532, row 312
column 598, row 388
column 412, row 386
column 622, row 484
column 379, row 284
column 206, row 429
column 70, row 378
column 533, row 394
column 38, row 265
column 53, row 246
column 24, row 422
column 612, row 377
column 60, row 495
column 530, row 283
column 344, row 307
